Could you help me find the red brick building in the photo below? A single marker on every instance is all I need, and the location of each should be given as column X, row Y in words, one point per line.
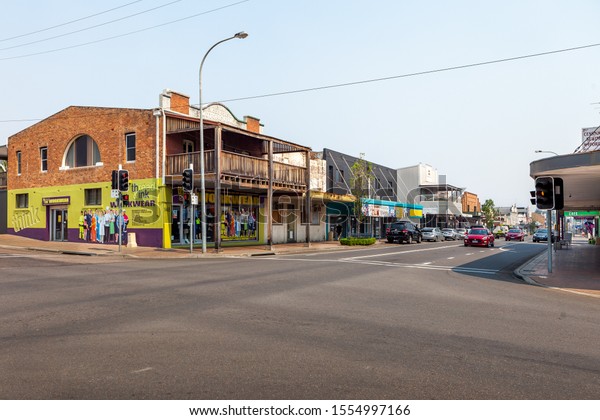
column 61, row 167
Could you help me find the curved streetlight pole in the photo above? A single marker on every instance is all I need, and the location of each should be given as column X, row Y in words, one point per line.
column 240, row 35
column 546, row 151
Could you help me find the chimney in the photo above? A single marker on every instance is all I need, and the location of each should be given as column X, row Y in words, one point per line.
column 252, row 124
column 175, row 102
column 180, row 103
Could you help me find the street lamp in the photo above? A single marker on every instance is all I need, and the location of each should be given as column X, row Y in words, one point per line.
column 546, row 151
column 240, row 35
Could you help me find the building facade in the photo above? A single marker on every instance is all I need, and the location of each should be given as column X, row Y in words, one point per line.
column 381, row 206
column 256, row 186
column 442, row 207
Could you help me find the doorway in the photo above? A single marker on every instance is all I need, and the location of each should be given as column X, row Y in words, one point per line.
column 58, row 224
column 290, row 222
column 176, row 224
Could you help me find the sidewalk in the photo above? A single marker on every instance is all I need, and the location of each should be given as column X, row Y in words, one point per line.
column 96, row 249
column 575, row 270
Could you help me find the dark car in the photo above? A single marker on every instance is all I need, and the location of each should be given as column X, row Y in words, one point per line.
column 479, row 237
column 515, row 235
column 542, row 235
column 404, row 232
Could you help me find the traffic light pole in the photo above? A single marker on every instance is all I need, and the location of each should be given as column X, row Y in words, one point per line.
column 549, row 227
column 192, row 220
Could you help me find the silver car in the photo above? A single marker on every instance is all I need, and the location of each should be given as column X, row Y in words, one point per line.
column 461, row 233
column 449, row 234
column 432, row 234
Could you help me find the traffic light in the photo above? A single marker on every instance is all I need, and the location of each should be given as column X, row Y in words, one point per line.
column 188, row 180
column 186, row 200
column 125, row 199
column 544, row 192
column 115, row 180
column 559, row 201
column 532, row 199
column 123, row 180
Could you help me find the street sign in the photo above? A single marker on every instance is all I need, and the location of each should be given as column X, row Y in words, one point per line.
column 194, row 199
column 114, row 193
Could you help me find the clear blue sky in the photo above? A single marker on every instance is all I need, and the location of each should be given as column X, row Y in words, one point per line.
column 477, row 125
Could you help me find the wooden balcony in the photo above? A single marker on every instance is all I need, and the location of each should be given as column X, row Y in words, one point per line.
column 242, row 169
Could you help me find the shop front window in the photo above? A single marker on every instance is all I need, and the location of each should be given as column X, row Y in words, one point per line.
column 239, row 221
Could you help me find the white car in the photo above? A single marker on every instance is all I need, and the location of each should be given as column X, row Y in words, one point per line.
column 449, row 234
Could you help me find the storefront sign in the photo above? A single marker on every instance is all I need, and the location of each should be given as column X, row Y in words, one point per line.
column 56, row 201
column 591, row 213
column 376, row 210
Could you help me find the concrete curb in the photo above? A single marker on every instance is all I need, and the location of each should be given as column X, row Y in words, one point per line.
column 519, row 273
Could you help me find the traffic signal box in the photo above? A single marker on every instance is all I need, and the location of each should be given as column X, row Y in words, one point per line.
column 549, row 193
column 123, row 180
column 188, row 180
column 115, row 180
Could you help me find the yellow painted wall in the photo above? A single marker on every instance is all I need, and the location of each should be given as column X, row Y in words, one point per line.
column 147, row 196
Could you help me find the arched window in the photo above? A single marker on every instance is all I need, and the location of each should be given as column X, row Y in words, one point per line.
column 82, row 152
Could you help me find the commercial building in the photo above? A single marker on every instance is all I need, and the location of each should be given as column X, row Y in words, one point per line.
column 379, row 206
column 257, row 186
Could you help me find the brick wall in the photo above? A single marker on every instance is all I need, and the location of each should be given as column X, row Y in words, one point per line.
column 106, row 126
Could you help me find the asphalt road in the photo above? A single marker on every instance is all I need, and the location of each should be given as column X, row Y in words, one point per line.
column 420, row 321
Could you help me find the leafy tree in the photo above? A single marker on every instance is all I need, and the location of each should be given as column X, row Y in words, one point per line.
column 360, row 184
column 489, row 210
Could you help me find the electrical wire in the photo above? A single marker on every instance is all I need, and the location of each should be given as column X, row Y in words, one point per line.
column 69, row 22
column 90, row 27
column 125, row 34
column 421, row 73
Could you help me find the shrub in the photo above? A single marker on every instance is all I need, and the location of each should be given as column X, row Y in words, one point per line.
column 357, row 241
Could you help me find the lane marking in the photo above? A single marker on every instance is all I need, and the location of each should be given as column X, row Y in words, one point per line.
column 142, row 370
column 424, row 266
column 400, row 252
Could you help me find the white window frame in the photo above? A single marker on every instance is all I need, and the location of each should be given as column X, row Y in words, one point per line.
column 44, row 160
column 129, row 136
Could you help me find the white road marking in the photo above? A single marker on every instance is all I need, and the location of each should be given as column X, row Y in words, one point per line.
column 423, row 266
column 142, row 370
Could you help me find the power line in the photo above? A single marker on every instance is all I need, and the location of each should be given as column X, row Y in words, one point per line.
column 125, row 34
column 90, row 27
column 69, row 22
column 421, row 73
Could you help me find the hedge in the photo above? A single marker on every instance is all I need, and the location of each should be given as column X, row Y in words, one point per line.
column 357, row 241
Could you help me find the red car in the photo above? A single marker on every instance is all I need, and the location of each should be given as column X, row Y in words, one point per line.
column 479, row 237
column 515, row 235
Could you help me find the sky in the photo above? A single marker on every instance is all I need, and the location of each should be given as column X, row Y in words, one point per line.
column 414, row 86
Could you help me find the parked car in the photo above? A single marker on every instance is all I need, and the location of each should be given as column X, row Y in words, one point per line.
column 404, row 232
column 432, row 234
column 515, row 235
column 461, row 233
column 542, row 235
column 449, row 234
column 479, row 237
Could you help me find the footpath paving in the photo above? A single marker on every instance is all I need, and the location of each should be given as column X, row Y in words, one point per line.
column 575, row 269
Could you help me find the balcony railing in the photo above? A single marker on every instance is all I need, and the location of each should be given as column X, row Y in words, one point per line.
column 238, row 165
